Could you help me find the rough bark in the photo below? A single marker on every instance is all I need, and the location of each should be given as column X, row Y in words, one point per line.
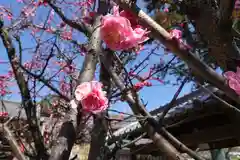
column 100, row 128
column 99, row 132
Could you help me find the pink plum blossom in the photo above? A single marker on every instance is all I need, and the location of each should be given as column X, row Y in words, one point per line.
column 64, row 87
column 233, row 80
column 67, row 68
column 139, row 85
column 29, row 12
column 6, row 13
column 166, row 10
column 42, row 2
column 144, row 80
column 118, row 33
column 66, row 35
column 33, row 64
column 91, row 97
column 3, row 114
column 131, row 17
column 176, row 33
column 87, row 3
column 51, row 16
column 4, row 84
column 22, row 148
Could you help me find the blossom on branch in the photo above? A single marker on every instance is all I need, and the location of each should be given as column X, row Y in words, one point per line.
column 3, row 114
column 138, row 86
column 92, row 97
column 177, row 34
column 121, row 32
column 233, row 80
column 5, row 84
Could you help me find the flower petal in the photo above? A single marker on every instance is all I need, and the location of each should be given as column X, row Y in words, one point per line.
column 229, row 75
column 82, row 90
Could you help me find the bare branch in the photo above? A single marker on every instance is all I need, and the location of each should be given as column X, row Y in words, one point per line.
column 171, row 104
column 45, row 82
column 134, row 141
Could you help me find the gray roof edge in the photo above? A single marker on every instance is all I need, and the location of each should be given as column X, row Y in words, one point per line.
column 195, row 94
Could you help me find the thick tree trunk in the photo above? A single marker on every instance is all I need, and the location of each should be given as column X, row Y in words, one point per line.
column 100, row 128
column 97, row 149
column 67, row 135
column 99, row 132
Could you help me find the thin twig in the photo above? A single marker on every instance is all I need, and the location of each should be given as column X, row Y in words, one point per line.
column 139, row 109
column 173, row 101
column 81, row 27
column 134, row 141
column 29, row 107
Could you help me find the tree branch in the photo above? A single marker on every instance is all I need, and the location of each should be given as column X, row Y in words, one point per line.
column 82, row 27
column 193, row 62
column 12, row 141
column 29, row 107
column 139, row 109
column 171, row 104
column 180, row 146
column 45, row 82
column 100, row 128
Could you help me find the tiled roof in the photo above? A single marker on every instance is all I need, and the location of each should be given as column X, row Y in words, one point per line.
column 182, row 104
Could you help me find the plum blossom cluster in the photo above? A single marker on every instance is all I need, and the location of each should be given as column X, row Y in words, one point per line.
column 34, row 64
column 120, row 31
column 3, row 86
column 86, row 3
column 233, row 80
column 177, row 34
column 3, row 114
column 67, row 68
column 144, row 80
column 5, row 83
column 139, row 85
column 6, row 13
column 91, row 96
column 64, row 87
column 30, row 10
column 46, row 134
